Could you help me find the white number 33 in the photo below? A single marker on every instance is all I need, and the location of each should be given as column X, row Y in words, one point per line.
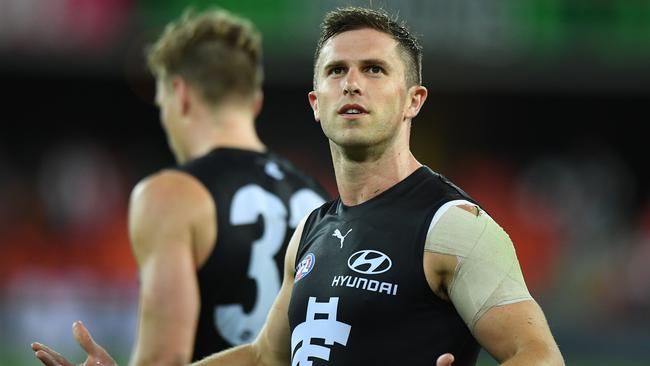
column 248, row 203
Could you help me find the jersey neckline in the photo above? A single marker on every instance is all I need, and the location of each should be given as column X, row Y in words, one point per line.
column 397, row 190
column 237, row 150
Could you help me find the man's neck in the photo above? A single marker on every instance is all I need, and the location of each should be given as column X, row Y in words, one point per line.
column 360, row 180
column 226, row 128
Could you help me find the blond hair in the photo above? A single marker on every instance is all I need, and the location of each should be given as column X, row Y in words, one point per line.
column 216, row 52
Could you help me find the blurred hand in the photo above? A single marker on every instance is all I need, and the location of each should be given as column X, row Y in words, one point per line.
column 445, row 360
column 97, row 356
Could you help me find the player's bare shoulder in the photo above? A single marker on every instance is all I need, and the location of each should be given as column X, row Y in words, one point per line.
column 171, row 192
column 171, row 203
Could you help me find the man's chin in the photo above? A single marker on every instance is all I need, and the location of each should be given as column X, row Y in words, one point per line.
column 351, row 142
column 353, row 149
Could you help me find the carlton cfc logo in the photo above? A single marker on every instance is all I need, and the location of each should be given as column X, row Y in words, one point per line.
column 369, row 262
column 305, row 267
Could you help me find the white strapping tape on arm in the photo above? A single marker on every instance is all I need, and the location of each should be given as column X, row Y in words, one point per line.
column 488, row 272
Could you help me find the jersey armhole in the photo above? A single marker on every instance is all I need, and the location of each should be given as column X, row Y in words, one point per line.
column 308, row 223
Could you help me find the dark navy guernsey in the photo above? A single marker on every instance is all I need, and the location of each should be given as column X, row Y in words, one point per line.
column 260, row 199
column 360, row 295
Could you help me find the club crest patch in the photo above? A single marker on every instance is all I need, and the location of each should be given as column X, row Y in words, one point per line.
column 304, row 267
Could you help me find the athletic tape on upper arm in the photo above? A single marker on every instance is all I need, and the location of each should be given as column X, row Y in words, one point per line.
column 488, row 272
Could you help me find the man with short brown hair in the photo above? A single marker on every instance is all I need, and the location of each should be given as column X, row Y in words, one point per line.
column 404, row 268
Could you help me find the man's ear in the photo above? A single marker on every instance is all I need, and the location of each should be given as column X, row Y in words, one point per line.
column 181, row 92
column 258, row 102
column 417, row 95
column 313, row 102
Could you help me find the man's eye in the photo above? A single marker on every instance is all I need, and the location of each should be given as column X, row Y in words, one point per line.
column 336, row 70
column 375, row 69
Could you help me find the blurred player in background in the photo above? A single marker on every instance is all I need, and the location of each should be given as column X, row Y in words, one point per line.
column 209, row 235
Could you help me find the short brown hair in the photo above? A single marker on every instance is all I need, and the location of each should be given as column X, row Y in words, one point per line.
column 353, row 18
column 216, row 52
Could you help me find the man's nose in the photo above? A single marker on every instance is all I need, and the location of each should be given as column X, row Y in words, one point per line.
column 351, row 83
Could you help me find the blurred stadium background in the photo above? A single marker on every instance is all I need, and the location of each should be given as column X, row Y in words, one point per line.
column 537, row 108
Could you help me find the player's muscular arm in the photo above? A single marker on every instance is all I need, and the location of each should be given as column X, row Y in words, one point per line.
column 171, row 218
column 518, row 334
column 472, row 261
column 272, row 346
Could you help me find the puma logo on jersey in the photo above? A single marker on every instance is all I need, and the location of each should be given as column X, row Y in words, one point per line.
column 337, row 233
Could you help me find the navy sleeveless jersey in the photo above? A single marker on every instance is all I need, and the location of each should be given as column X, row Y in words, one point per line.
column 360, row 296
column 260, row 199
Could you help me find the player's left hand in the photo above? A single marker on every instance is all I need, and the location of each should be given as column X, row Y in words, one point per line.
column 97, row 356
column 445, row 360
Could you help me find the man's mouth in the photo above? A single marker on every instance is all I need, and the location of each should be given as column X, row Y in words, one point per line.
column 352, row 109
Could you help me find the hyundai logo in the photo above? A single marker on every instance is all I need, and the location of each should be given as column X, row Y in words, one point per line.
column 369, row 262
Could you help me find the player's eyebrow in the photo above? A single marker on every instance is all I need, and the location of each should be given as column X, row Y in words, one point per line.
column 364, row 62
column 333, row 64
column 375, row 62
